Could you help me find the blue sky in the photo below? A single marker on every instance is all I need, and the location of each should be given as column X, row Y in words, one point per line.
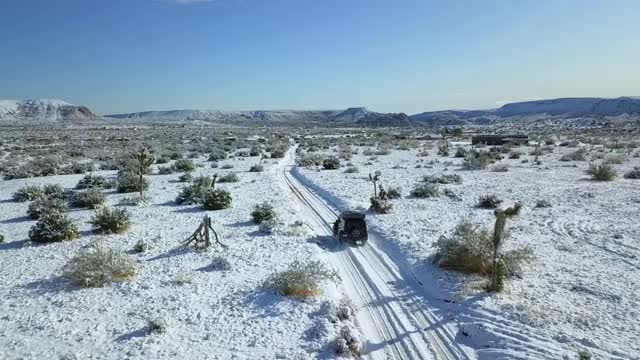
column 388, row 55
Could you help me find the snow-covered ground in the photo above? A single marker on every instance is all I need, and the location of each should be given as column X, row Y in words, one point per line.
column 580, row 293
column 211, row 315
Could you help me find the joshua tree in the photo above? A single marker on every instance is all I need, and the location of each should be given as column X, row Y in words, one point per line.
column 142, row 160
column 498, row 269
column 201, row 238
column 374, row 179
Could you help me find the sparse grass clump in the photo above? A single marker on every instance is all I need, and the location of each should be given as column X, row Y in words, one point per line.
column 615, row 159
column 53, row 226
column 229, row 178
column 488, row 202
column 504, row 167
column 301, row 279
column 427, row 190
column 443, row 179
column 44, row 205
column 351, row 170
column 602, row 172
column 256, row 168
column 98, row 266
column 91, row 198
column 263, row 212
column 216, row 199
column 28, row 193
column 111, row 221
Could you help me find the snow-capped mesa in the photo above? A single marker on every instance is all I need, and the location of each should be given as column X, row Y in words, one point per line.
column 43, row 111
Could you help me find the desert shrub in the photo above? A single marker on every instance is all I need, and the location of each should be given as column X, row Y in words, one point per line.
column 158, row 325
column 227, row 166
column 263, row 212
column 443, row 150
column 461, row 152
column 175, row 156
column 477, row 160
column 164, row 159
column 98, row 266
column 111, row 221
column 488, row 202
column 331, row 163
column 443, row 179
column 277, row 153
column 229, row 178
column 129, row 182
column 351, row 170
column 540, row 204
column 256, row 168
column 185, row 178
column 78, row 168
column 53, row 226
column 255, row 151
column 183, row 165
column 425, row 190
column 195, row 192
column 95, row 181
column 503, row 167
column 515, row 154
column 43, row 205
column 384, row 150
column 1, row 238
column 380, row 206
column 469, row 249
column 602, row 172
column 91, row 198
column 301, row 279
column 141, row 246
column 306, row 160
column 165, row 170
column 217, row 155
column 348, row 345
column 577, row 155
column 28, row 193
column 390, row 193
column 216, row 199
column 633, row 174
column 220, row 263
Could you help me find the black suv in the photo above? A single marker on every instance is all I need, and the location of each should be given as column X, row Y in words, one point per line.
column 350, row 226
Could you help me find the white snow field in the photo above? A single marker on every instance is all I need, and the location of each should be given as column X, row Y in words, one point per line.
column 579, row 294
column 211, row 314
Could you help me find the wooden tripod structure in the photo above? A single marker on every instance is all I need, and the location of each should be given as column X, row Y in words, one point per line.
column 201, row 238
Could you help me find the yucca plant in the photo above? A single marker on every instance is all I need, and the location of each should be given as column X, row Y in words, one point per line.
column 142, row 159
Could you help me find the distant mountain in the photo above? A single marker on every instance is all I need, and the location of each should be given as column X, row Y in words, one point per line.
column 44, row 111
column 563, row 108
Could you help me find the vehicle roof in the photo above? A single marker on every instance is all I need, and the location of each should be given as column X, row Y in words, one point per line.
column 353, row 215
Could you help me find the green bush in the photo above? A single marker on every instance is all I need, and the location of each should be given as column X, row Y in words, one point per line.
column 331, row 163
column 488, row 202
column 183, row 165
column 53, row 226
column 95, row 181
column 28, row 193
column 277, row 153
column 470, row 250
column 129, row 182
column 477, row 161
column 216, row 199
column 92, row 199
column 263, row 212
column 443, row 179
column 55, row 191
column 111, row 221
column 217, row 155
column 602, row 172
column 195, row 192
column 43, row 205
column 426, row 190
column 98, row 266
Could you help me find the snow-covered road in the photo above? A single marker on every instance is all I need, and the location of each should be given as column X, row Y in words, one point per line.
column 394, row 318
